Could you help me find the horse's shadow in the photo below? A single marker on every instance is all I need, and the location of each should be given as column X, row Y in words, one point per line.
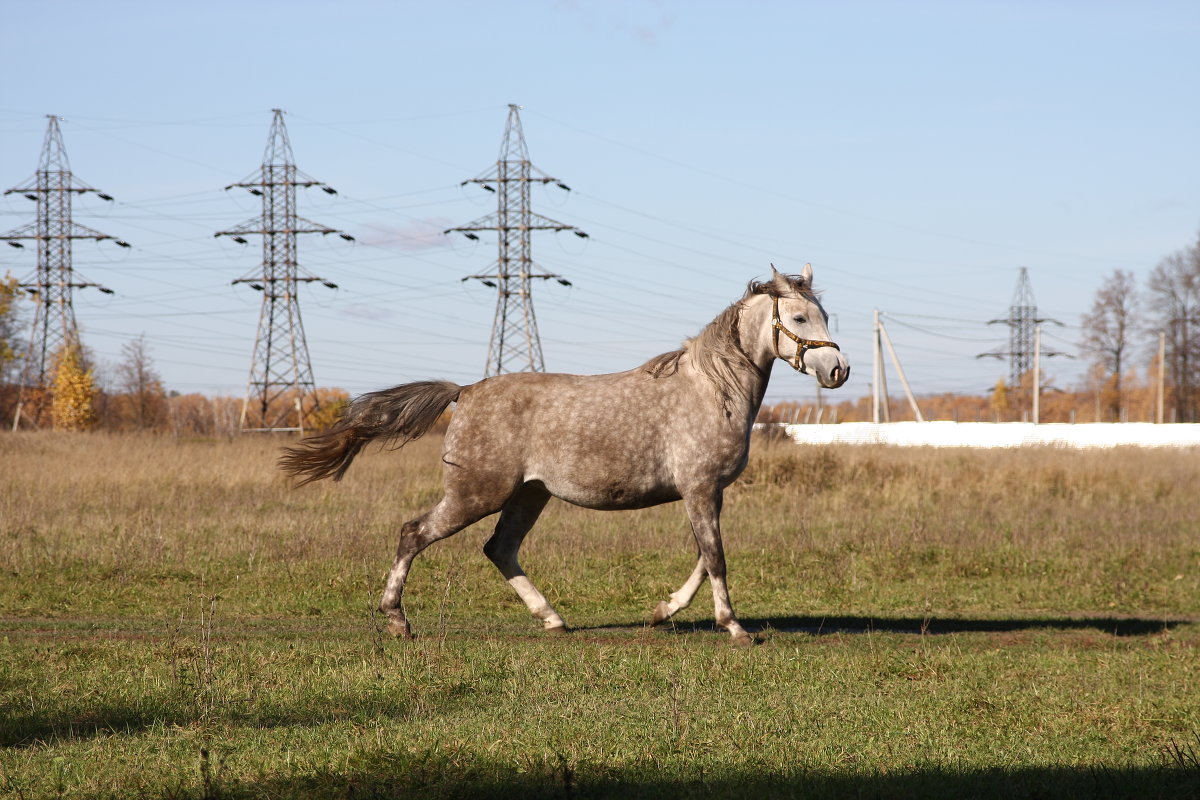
column 928, row 626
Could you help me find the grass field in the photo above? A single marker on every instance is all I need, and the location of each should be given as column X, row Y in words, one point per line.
column 176, row 622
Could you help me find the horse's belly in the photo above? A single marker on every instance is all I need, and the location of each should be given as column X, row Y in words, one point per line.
column 605, row 498
column 608, row 488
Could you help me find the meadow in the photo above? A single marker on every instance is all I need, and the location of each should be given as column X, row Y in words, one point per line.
column 176, row 621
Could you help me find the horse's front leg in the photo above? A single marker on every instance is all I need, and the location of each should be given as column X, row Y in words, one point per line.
column 704, row 512
column 683, row 598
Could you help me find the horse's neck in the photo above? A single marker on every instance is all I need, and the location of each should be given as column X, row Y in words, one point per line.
column 752, row 342
column 748, row 369
column 755, row 389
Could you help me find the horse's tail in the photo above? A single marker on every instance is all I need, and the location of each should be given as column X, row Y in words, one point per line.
column 399, row 414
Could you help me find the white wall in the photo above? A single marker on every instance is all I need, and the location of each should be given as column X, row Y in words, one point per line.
column 1003, row 434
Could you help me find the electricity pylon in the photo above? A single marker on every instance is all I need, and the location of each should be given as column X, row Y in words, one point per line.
column 514, row 345
column 56, row 279
column 280, row 369
column 1022, row 321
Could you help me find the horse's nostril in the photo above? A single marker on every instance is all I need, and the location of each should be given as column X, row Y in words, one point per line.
column 835, row 374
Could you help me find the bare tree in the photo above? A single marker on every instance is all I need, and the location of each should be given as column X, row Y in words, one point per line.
column 1174, row 295
column 141, row 386
column 1107, row 331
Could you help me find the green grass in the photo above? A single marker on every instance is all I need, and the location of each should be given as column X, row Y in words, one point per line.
column 176, row 622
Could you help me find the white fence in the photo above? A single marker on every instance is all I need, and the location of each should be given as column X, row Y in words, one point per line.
column 1002, row 434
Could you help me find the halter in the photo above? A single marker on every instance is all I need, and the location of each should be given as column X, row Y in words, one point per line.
column 802, row 344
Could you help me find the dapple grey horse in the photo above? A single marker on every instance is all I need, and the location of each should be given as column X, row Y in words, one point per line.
column 675, row 428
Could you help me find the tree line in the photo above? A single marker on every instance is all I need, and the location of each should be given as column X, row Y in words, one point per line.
column 1123, row 328
column 1120, row 338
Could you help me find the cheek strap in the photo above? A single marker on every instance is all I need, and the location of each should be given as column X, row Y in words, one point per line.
column 802, row 344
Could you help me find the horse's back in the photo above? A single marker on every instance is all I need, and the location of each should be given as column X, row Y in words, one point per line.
column 601, row 441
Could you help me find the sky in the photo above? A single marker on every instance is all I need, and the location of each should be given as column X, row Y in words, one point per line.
column 917, row 154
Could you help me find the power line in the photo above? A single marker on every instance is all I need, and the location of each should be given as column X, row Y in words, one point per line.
column 514, row 345
column 1022, row 321
column 54, row 230
column 280, row 368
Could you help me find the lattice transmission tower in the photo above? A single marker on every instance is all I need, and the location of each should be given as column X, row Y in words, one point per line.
column 514, row 345
column 281, row 374
column 1022, row 322
column 55, row 280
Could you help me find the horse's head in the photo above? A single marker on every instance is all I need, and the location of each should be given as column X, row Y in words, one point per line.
column 800, row 329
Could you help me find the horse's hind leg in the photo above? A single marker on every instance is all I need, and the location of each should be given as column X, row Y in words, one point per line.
column 682, row 598
column 516, row 518
column 446, row 519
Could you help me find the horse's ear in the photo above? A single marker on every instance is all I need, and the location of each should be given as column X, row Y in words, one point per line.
column 806, row 276
column 779, row 281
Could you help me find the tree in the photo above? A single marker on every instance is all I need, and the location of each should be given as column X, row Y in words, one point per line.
column 1107, row 330
column 73, row 407
column 324, row 407
column 1000, row 401
column 1174, row 294
column 9, row 324
column 143, row 401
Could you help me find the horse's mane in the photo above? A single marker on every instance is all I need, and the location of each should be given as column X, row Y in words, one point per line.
column 716, row 351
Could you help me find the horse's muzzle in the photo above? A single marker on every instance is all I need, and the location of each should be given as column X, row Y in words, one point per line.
column 837, row 376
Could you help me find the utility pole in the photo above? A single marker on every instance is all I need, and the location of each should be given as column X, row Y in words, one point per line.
column 514, row 345
column 1037, row 374
column 1162, row 377
column 887, row 340
column 881, row 407
column 1022, row 319
column 280, row 369
column 54, row 230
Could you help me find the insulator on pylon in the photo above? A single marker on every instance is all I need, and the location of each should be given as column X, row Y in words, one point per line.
column 564, row 281
column 471, row 236
column 489, row 283
column 239, row 239
column 105, row 290
column 31, row 197
column 581, row 235
column 328, row 190
column 347, row 237
column 123, row 243
column 16, row 244
column 104, row 196
column 487, row 188
column 256, row 192
column 330, row 284
column 256, row 287
column 563, row 186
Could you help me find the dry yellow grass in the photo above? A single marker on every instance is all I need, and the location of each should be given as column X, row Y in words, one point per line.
column 899, row 528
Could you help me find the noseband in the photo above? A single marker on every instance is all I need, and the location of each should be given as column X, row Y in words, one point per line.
column 802, row 344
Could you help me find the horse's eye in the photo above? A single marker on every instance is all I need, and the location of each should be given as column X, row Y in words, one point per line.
column 799, row 319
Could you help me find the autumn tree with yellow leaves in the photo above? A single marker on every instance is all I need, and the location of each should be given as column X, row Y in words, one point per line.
column 73, row 405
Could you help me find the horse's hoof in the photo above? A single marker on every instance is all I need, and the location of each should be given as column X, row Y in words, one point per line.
column 400, row 629
column 662, row 613
column 557, row 630
column 743, row 639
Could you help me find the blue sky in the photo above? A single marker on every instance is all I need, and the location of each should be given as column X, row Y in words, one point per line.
column 916, row 153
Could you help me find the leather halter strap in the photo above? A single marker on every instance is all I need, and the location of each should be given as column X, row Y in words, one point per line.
column 802, row 344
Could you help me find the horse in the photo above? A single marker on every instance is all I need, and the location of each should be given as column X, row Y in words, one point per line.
column 675, row 428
